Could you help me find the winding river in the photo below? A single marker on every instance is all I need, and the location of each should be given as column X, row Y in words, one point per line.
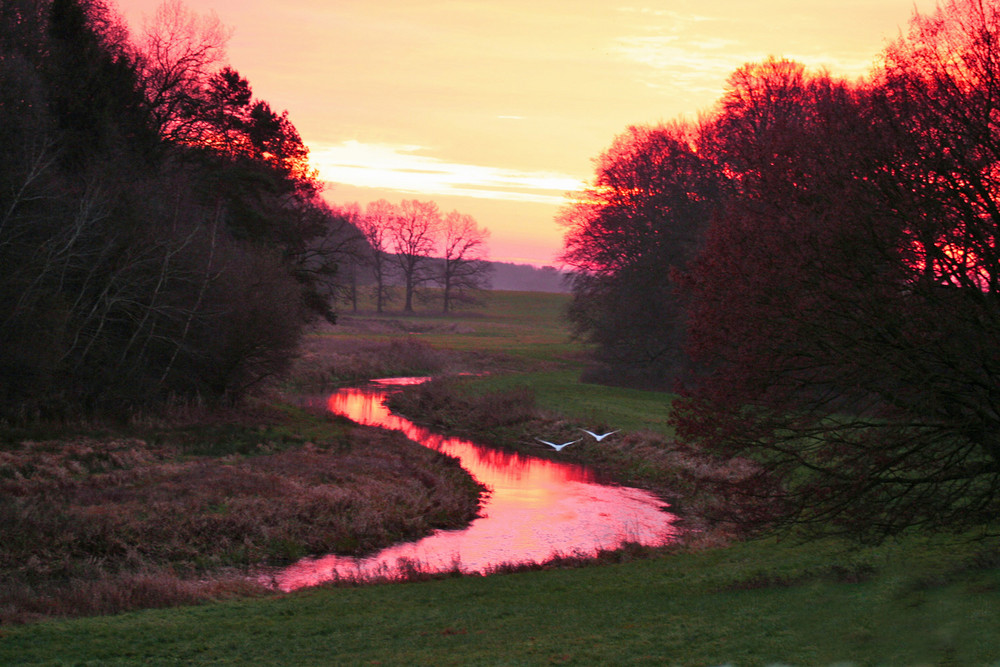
column 536, row 509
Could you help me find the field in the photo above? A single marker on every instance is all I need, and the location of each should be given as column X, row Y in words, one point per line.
column 925, row 599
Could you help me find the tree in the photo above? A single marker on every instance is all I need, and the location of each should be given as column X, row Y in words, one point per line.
column 376, row 224
column 177, row 53
column 91, row 84
column 142, row 263
column 346, row 242
column 652, row 197
column 846, row 319
column 464, row 269
column 412, row 237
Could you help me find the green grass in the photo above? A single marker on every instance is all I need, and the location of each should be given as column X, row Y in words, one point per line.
column 921, row 600
column 562, row 392
column 750, row 604
column 524, row 324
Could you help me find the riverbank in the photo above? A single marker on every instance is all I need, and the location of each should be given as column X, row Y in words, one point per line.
column 105, row 519
column 919, row 599
column 912, row 602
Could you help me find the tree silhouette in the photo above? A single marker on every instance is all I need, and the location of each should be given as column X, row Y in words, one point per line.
column 160, row 230
column 652, row 197
column 464, row 269
column 845, row 317
column 412, row 236
column 376, row 224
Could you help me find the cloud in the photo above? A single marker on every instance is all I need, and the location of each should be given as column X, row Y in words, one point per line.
column 404, row 169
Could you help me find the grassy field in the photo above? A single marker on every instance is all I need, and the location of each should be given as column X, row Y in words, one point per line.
column 922, row 600
column 916, row 603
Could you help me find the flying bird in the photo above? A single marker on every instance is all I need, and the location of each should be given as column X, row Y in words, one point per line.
column 555, row 446
column 598, row 438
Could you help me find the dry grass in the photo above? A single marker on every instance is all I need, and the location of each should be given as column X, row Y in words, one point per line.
column 102, row 524
column 359, row 349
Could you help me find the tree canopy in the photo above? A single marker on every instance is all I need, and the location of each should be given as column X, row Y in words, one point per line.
column 840, row 304
column 161, row 231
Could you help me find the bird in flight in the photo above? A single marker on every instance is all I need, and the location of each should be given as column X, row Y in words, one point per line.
column 597, row 437
column 555, row 446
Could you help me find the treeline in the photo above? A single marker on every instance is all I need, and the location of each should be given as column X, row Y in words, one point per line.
column 161, row 231
column 528, row 278
column 815, row 266
column 415, row 245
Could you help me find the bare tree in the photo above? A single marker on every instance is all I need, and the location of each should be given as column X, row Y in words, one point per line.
column 178, row 51
column 412, row 238
column 375, row 226
column 353, row 251
column 465, row 271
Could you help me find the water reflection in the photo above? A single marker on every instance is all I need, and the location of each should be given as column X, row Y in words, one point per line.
column 536, row 509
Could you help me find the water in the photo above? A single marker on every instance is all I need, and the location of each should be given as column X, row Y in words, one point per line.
column 536, row 509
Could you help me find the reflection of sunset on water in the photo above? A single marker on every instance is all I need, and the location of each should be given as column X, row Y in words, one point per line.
column 536, row 509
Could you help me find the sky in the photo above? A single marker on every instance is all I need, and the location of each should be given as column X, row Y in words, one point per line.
column 497, row 108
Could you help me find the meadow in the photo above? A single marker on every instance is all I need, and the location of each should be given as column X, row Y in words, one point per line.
column 713, row 600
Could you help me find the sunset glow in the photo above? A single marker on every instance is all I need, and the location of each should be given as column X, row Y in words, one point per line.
column 498, row 108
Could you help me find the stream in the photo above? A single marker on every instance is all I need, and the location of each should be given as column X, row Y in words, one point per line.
column 536, row 508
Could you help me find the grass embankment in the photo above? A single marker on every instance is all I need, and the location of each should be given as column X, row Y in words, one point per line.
column 919, row 600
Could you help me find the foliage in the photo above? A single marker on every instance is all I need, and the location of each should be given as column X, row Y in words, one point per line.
column 642, row 219
column 841, row 308
column 160, row 228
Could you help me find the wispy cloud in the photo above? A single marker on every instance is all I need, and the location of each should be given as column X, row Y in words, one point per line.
column 687, row 51
column 402, row 168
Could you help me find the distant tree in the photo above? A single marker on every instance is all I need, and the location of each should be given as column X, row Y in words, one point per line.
column 353, row 251
column 412, row 239
column 376, row 227
column 642, row 218
column 465, row 271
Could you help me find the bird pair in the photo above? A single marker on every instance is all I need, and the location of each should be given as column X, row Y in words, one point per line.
column 559, row 448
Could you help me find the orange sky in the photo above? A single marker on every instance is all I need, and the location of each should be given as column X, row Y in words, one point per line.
column 497, row 107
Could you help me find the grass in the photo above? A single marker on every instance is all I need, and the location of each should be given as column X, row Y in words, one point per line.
column 923, row 599
column 528, row 325
column 97, row 523
column 749, row 604
column 561, row 391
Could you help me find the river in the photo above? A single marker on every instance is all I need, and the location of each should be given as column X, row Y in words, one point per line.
column 536, row 509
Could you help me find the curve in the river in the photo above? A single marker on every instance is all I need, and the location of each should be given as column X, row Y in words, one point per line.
column 536, row 509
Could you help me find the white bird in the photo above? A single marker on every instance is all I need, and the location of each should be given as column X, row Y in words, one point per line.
column 555, row 446
column 598, row 438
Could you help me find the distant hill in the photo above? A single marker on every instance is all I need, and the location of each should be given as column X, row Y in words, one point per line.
column 526, row 278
